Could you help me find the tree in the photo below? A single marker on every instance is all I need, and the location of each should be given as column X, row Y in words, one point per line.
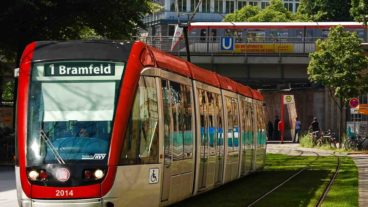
column 359, row 10
column 325, row 10
column 275, row 12
column 340, row 65
column 243, row 14
column 24, row 21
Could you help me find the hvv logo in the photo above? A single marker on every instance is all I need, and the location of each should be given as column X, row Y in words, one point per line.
column 227, row 43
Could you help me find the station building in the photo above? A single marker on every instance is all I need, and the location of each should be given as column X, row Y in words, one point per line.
column 163, row 23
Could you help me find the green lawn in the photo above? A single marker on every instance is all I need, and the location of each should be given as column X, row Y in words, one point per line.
column 302, row 190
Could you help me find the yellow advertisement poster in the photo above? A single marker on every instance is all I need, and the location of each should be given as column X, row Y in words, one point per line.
column 263, row 48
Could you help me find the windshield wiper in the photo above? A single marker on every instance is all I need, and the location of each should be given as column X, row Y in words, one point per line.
column 53, row 150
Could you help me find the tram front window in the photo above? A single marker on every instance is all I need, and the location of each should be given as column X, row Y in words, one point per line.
column 70, row 112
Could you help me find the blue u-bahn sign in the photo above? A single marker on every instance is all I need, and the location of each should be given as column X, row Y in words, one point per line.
column 227, row 43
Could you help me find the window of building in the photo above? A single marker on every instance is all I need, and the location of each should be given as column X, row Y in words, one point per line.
column 193, row 4
column 206, row 5
column 182, row 4
column 288, row 6
column 296, row 7
column 171, row 29
column 241, row 4
column 172, row 5
column 253, row 3
column 230, row 6
column 219, row 6
column 264, row 4
column 141, row 139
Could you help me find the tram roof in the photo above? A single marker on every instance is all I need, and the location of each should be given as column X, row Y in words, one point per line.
column 187, row 69
column 274, row 25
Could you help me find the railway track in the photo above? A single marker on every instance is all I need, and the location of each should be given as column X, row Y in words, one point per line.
column 332, row 180
column 325, row 192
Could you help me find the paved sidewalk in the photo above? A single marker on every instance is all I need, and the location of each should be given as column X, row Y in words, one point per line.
column 361, row 161
column 8, row 194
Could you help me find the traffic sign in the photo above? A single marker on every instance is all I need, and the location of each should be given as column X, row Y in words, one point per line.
column 288, row 99
column 227, row 43
column 354, row 102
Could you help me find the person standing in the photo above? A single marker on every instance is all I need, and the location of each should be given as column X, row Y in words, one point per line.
column 276, row 132
column 314, row 126
column 298, row 128
column 270, row 129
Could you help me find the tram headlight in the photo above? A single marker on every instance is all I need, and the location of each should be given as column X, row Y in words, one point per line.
column 99, row 174
column 33, row 175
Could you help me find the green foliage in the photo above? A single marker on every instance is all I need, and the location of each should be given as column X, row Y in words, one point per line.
column 359, row 9
column 339, row 64
column 243, row 14
column 306, row 141
column 275, row 12
column 154, row 7
column 324, row 10
column 25, row 21
column 8, row 91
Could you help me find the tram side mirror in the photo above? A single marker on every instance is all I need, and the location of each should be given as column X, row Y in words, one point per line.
column 16, row 72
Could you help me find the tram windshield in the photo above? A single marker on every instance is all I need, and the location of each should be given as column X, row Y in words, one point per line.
column 71, row 109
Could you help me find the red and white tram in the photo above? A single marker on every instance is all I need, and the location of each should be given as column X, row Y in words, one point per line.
column 102, row 123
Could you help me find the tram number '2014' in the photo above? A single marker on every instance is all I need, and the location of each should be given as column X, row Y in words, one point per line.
column 64, row 193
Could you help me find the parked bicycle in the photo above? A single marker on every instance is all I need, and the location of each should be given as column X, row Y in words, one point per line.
column 320, row 138
column 356, row 143
column 328, row 137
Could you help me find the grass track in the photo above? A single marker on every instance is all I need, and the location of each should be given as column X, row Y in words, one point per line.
column 302, row 190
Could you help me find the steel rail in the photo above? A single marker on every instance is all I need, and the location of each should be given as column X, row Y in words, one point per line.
column 330, row 183
column 285, row 181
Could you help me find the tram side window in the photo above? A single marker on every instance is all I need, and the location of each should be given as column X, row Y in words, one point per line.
column 218, row 116
column 244, row 122
column 233, row 124
column 248, row 123
column 178, row 133
column 324, row 33
column 309, row 36
column 213, row 35
column 141, row 139
column 256, row 36
column 203, row 34
column 208, row 109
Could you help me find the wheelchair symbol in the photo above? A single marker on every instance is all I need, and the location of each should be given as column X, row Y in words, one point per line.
column 153, row 176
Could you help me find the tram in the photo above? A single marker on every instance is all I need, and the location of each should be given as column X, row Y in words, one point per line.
column 110, row 124
column 262, row 37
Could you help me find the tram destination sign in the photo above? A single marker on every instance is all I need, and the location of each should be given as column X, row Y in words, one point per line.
column 79, row 69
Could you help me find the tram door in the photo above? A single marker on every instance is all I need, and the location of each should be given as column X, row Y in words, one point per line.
column 247, row 136
column 232, row 160
column 207, row 139
column 219, row 139
column 178, row 170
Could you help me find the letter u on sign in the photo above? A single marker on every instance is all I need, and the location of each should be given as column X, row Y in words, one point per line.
column 227, row 43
